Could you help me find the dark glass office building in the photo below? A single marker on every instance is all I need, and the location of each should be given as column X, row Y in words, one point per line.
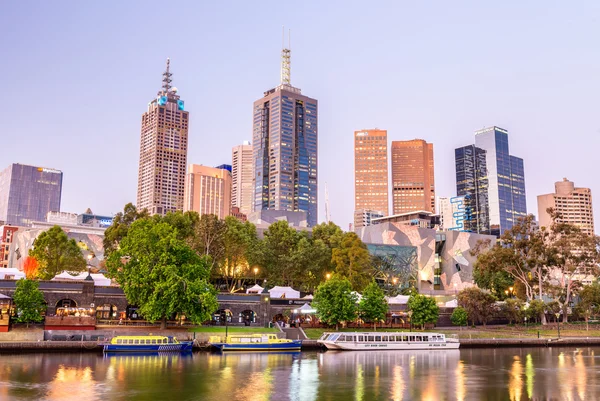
column 28, row 193
column 503, row 183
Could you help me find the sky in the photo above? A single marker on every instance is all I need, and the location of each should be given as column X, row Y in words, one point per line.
column 77, row 76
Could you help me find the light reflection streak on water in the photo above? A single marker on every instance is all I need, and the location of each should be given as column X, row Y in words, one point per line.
column 564, row 379
column 69, row 378
column 529, row 374
column 580, row 374
column 515, row 381
column 461, row 390
column 398, row 385
column 359, row 387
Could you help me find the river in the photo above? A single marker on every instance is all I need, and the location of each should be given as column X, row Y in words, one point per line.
column 467, row 374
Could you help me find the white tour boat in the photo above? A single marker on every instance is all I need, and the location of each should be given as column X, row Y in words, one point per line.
column 354, row 341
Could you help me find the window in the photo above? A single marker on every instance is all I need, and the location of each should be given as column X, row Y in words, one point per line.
column 361, row 338
column 136, row 341
column 371, row 339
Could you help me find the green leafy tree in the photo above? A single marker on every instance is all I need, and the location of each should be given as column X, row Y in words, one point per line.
column 120, row 225
column 161, row 274
column 373, row 306
column 589, row 302
column 335, row 301
column 513, row 309
column 479, row 304
column 497, row 281
column 209, row 239
column 424, row 309
column 459, row 317
column 184, row 222
column 353, row 261
column 55, row 253
column 29, row 301
column 534, row 310
column 280, row 258
column 239, row 256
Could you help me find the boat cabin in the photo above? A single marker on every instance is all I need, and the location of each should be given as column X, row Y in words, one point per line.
column 383, row 337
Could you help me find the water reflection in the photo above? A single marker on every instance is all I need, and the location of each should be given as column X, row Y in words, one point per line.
column 490, row 374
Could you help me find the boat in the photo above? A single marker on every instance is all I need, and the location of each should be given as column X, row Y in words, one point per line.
column 353, row 341
column 148, row 343
column 254, row 342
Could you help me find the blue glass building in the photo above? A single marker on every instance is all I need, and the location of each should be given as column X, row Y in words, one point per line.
column 28, row 193
column 503, row 184
column 285, row 152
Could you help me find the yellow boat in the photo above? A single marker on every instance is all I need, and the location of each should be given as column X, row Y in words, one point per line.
column 254, row 342
column 146, row 344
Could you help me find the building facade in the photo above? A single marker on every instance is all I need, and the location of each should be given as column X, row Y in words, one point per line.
column 163, row 151
column 28, row 193
column 208, row 191
column 574, row 205
column 6, row 237
column 364, row 217
column 370, row 174
column 472, row 185
column 284, row 147
column 241, row 176
column 413, row 184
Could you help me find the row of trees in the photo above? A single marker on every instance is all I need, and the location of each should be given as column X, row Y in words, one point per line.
column 236, row 255
column 539, row 261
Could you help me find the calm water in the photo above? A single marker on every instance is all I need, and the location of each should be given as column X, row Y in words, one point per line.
column 490, row 374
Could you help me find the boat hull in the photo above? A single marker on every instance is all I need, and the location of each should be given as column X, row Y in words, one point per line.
column 179, row 347
column 263, row 347
column 356, row 346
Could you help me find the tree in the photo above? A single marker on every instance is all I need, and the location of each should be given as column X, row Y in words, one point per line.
column 29, row 301
column 209, row 239
column 535, row 309
column 240, row 242
column 30, row 267
column 184, row 222
column 55, row 252
column 353, row 261
column 513, row 309
column 497, row 281
column 589, row 302
column 459, row 317
column 373, row 305
column 478, row 304
column 161, row 274
column 424, row 309
column 119, row 227
column 574, row 257
column 282, row 260
column 335, row 302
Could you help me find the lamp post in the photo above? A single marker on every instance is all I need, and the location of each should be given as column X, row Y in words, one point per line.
column 265, row 299
column 525, row 322
column 255, row 271
column 409, row 313
column 557, row 314
column 328, row 276
column 90, row 256
column 227, row 313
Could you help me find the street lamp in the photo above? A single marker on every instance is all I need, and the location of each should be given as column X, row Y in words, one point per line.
column 227, row 313
column 90, row 256
column 557, row 314
column 394, row 281
column 265, row 298
column 255, row 271
column 525, row 322
column 409, row 313
column 328, row 276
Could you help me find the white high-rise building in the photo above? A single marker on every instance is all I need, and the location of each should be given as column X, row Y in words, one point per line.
column 241, row 174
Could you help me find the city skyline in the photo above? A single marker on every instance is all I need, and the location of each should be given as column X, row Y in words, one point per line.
column 547, row 107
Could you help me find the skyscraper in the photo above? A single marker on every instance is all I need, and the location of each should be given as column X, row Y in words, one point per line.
column 28, row 193
column 241, row 175
column 284, row 147
column 472, row 185
column 163, row 151
column 573, row 204
column 208, row 191
column 370, row 175
column 505, row 178
column 413, row 186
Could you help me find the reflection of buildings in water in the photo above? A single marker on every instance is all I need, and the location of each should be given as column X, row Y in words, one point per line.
column 515, row 380
column 529, row 375
column 461, row 388
column 304, row 379
column 580, row 373
column 69, row 378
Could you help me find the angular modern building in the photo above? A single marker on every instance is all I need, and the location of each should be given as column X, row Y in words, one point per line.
column 370, row 175
column 452, row 213
column 505, row 180
column 163, row 151
column 284, row 147
column 574, row 205
column 208, row 191
column 472, row 185
column 28, row 193
column 413, row 184
column 241, row 175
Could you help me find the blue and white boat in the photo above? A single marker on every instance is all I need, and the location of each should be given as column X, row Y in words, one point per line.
column 254, row 342
column 147, row 344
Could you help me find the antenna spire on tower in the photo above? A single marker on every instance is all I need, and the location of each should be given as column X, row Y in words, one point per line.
column 285, row 60
column 166, row 81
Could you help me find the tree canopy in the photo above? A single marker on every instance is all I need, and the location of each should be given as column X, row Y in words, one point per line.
column 55, row 253
column 161, row 274
column 335, row 301
column 120, row 225
column 479, row 304
column 29, row 301
column 353, row 261
column 373, row 306
column 424, row 309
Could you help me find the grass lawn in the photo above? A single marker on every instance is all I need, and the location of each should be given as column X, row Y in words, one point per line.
column 233, row 329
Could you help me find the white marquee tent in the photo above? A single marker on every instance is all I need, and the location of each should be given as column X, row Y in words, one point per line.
column 256, row 289
column 12, row 274
column 99, row 279
column 284, row 292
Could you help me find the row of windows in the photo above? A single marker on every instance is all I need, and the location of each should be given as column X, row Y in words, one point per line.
column 146, row 341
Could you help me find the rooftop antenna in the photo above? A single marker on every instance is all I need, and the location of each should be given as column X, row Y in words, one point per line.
column 285, row 59
column 327, row 216
column 166, row 81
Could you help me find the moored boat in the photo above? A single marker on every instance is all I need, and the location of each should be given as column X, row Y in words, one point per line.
column 148, row 343
column 254, row 342
column 352, row 341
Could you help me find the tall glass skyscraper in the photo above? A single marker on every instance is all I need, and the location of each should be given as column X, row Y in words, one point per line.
column 472, row 185
column 285, row 149
column 505, row 178
column 28, row 193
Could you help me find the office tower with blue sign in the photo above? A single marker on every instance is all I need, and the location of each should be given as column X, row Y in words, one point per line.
column 28, row 193
column 285, row 149
column 503, row 182
column 163, row 151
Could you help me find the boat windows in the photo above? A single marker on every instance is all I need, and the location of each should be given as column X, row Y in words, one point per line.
column 154, row 341
column 377, row 338
column 418, row 338
column 425, row 338
column 361, row 338
column 392, row 338
column 384, row 338
column 411, row 338
column 136, row 341
column 371, row 338
column 130, row 342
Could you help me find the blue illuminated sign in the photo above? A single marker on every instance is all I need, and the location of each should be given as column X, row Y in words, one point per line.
column 180, row 104
column 162, row 100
